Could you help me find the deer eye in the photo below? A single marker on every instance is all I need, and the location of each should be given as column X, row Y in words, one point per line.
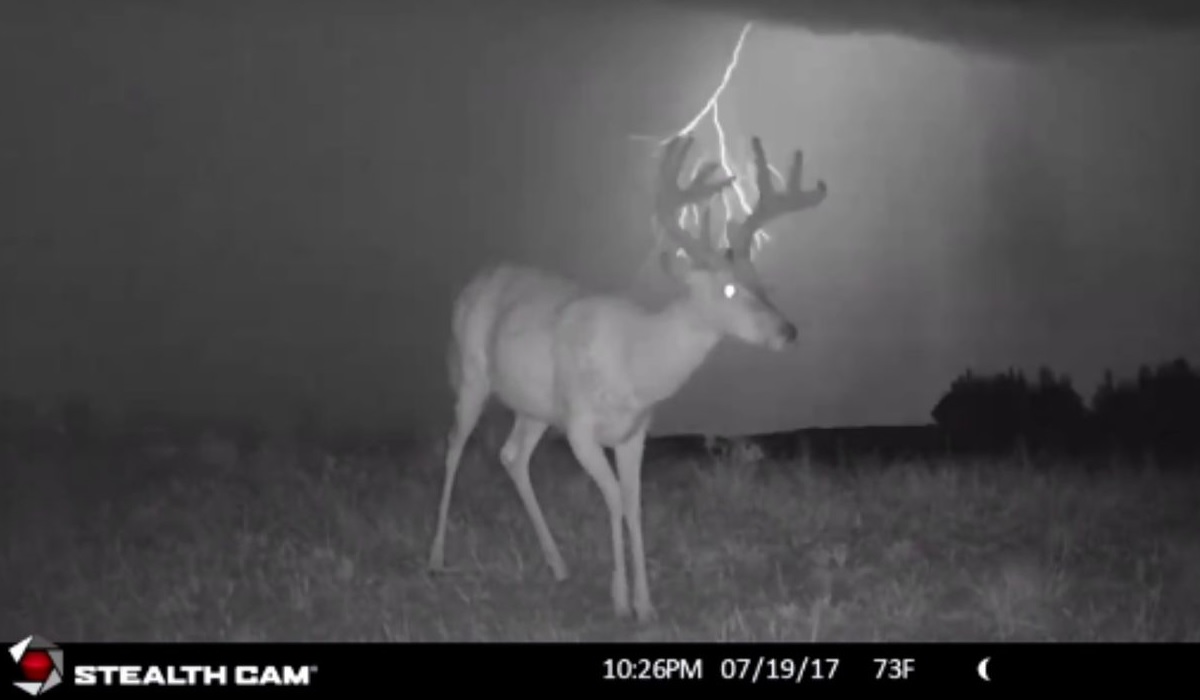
column 730, row 290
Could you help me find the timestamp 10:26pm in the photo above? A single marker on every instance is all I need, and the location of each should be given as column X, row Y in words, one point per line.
column 751, row 669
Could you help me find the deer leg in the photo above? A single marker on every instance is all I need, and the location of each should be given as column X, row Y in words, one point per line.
column 515, row 455
column 472, row 395
column 629, row 468
column 591, row 457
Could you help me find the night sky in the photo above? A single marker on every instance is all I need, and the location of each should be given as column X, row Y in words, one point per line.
column 241, row 207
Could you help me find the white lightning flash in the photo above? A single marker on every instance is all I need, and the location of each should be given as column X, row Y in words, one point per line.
column 740, row 183
column 712, row 107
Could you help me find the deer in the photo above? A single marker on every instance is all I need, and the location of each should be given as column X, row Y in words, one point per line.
column 594, row 366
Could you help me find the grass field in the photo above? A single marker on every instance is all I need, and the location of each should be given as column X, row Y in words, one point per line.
column 279, row 545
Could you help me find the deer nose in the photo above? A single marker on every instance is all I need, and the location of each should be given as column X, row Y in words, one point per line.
column 789, row 332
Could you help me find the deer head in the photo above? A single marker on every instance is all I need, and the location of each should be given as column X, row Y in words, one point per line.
column 722, row 282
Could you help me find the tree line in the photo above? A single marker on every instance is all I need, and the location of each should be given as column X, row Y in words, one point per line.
column 1154, row 413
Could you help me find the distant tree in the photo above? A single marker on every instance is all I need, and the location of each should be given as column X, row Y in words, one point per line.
column 1057, row 415
column 1004, row 411
column 982, row 412
column 1158, row 412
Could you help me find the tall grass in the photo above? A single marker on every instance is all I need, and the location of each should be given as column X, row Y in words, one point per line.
column 283, row 543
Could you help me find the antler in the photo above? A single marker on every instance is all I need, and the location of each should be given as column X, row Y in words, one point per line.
column 773, row 203
column 671, row 199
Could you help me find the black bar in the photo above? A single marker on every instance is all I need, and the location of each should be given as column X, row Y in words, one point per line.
column 791, row 668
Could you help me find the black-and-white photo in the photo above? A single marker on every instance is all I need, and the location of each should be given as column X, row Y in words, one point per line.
column 532, row 321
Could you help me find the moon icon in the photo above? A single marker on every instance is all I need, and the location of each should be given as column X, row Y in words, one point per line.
column 982, row 668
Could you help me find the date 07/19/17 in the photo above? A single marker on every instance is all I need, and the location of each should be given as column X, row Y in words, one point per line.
column 743, row 669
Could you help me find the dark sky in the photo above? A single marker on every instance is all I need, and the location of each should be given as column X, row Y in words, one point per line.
column 245, row 206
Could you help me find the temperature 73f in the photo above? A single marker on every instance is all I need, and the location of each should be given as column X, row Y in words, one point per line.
column 895, row 669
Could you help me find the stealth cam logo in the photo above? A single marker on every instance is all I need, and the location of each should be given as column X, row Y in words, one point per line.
column 41, row 663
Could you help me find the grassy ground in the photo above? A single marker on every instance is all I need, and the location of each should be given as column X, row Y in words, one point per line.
column 210, row 545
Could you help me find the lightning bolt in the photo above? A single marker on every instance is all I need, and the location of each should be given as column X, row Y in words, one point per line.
column 712, row 107
column 740, row 185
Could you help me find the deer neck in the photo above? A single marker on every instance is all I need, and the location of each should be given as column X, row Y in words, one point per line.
column 671, row 347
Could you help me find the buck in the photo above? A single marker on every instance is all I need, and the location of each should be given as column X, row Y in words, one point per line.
column 594, row 366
